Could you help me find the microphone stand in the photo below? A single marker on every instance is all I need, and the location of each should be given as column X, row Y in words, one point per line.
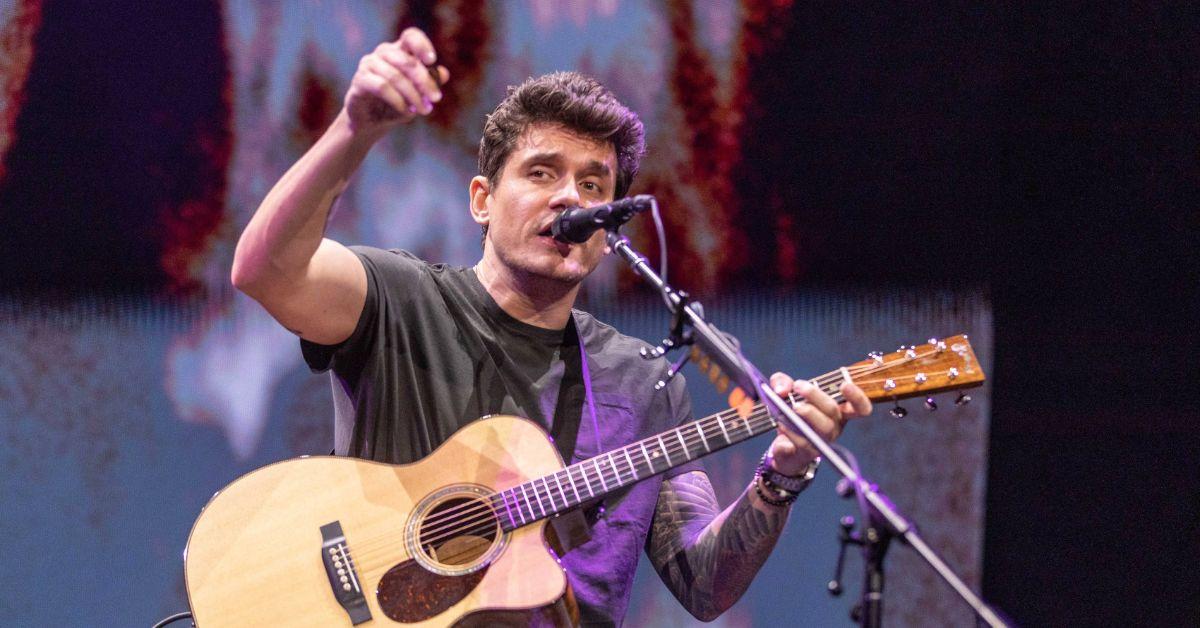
column 885, row 518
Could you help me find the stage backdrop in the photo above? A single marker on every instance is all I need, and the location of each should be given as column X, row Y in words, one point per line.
column 136, row 141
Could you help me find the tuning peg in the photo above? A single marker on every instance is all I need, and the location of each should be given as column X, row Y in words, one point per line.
column 876, row 356
column 899, row 412
column 930, row 404
column 963, row 399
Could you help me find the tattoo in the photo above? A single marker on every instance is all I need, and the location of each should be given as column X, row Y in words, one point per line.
column 707, row 559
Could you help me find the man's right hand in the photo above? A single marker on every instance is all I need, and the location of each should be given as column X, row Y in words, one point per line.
column 395, row 83
column 312, row 285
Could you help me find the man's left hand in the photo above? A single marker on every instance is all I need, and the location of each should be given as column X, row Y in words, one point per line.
column 792, row 452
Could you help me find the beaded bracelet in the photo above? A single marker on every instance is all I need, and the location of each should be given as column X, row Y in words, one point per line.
column 785, row 487
column 785, row 497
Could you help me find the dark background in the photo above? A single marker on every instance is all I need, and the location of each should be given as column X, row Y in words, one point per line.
column 1049, row 152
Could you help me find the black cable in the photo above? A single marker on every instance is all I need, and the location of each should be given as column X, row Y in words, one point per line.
column 173, row 618
column 662, row 249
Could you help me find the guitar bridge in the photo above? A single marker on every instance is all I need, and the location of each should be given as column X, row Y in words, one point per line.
column 343, row 577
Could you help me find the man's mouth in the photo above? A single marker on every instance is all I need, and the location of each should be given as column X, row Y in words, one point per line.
column 563, row 248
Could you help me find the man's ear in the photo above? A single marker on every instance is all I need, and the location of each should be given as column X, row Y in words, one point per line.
column 481, row 193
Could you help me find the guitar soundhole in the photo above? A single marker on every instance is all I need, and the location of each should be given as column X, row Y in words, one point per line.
column 457, row 532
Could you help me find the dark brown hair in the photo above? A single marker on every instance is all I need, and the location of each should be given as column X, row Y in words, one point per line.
column 577, row 102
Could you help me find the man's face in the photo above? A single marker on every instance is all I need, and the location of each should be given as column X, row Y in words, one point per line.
column 549, row 170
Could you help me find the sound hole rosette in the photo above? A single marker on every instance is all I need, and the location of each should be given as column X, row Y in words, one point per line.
column 436, row 517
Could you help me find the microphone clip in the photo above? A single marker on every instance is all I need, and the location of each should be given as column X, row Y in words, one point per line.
column 678, row 338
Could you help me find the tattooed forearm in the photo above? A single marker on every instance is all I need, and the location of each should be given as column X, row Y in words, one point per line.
column 708, row 559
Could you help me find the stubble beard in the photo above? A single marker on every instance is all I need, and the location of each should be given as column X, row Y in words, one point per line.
column 534, row 279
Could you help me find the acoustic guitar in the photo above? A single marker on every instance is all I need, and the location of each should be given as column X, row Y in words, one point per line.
column 459, row 537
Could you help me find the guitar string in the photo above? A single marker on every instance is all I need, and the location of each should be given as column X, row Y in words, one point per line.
column 588, row 475
column 482, row 520
column 487, row 525
column 483, row 515
column 620, row 475
column 485, row 522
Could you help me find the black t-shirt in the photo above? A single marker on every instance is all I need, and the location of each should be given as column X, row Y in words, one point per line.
column 432, row 352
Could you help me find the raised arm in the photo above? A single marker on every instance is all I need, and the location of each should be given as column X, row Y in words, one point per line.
column 312, row 285
column 708, row 557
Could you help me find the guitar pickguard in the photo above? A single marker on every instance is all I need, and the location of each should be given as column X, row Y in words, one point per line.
column 410, row 593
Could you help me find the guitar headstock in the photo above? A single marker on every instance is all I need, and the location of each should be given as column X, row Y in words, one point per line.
column 920, row 370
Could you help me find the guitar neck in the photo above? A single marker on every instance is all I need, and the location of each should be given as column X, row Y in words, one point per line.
column 608, row 472
column 927, row 369
column 595, row 477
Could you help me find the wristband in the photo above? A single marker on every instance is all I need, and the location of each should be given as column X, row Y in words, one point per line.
column 790, row 483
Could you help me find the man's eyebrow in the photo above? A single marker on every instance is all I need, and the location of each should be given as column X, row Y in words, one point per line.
column 555, row 158
column 543, row 158
column 597, row 167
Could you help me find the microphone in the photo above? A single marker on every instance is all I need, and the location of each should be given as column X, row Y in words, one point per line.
column 577, row 224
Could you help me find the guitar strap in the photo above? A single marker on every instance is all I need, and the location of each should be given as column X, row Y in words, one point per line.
column 564, row 427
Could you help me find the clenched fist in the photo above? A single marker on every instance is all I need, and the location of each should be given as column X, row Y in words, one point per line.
column 396, row 83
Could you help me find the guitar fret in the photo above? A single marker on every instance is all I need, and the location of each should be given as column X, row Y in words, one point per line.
column 700, row 431
column 663, row 446
column 596, row 463
column 646, row 455
column 616, row 471
column 586, row 481
column 721, row 422
column 749, row 430
column 632, row 469
column 561, row 492
column 686, row 454
column 546, row 485
column 573, row 487
column 538, row 497
column 508, row 509
column 526, row 495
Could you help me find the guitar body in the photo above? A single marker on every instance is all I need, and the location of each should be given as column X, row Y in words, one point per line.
column 263, row 551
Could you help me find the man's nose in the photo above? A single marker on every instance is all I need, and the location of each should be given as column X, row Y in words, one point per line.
column 567, row 195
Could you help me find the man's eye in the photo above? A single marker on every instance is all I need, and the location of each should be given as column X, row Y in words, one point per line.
column 539, row 174
column 591, row 187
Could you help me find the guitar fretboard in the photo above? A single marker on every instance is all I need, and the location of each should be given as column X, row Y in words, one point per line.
column 592, row 478
column 911, row 371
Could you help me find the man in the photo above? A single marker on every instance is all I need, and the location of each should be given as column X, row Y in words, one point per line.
column 418, row 349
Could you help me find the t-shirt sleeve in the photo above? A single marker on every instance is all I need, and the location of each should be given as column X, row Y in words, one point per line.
column 390, row 277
